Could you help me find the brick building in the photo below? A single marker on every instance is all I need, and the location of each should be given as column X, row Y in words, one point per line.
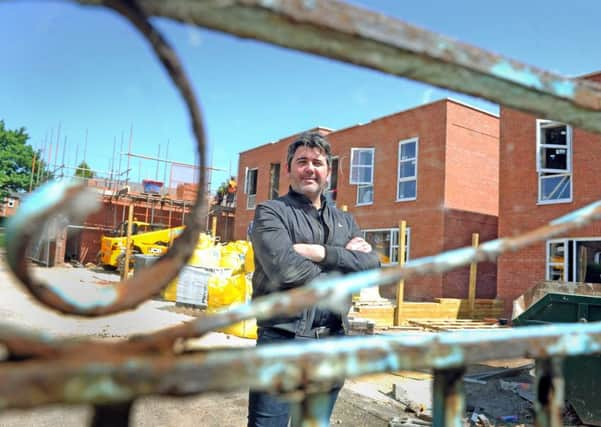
column 9, row 205
column 83, row 242
column 434, row 166
column 547, row 169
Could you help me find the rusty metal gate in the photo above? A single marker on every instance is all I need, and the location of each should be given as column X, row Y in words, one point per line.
column 110, row 376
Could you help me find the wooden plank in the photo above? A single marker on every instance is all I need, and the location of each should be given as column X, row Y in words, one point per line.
column 472, row 280
column 400, row 291
column 451, row 324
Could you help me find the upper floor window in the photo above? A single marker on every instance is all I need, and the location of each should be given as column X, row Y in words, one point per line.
column 407, row 173
column 362, row 174
column 554, row 161
column 250, row 188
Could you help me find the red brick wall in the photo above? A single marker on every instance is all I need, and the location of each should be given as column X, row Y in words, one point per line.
column 472, row 160
column 425, row 215
column 518, row 208
column 459, row 226
column 5, row 209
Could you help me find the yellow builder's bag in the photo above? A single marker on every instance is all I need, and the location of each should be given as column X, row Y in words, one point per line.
column 225, row 293
column 169, row 292
column 238, row 256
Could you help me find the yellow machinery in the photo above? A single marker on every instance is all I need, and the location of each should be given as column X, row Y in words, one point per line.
column 146, row 239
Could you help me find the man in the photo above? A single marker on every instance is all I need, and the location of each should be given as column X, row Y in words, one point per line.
column 297, row 238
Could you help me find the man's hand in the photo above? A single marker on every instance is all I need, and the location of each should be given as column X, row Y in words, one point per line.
column 315, row 253
column 358, row 244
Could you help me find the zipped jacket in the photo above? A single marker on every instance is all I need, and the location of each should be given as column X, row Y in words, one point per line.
column 290, row 219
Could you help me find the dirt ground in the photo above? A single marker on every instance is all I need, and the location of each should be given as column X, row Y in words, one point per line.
column 366, row 401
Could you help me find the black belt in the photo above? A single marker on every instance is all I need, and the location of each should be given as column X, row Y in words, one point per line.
column 318, row 332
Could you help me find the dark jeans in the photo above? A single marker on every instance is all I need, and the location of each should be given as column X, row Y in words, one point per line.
column 268, row 410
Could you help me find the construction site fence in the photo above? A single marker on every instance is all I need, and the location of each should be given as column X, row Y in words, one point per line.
column 111, row 375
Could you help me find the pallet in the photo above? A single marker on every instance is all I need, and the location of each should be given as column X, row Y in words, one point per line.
column 388, row 330
column 439, row 325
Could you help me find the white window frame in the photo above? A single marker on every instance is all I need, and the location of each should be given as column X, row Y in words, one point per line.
column 354, row 152
column 359, row 188
column 251, row 198
column 394, row 242
column 398, row 174
column 547, row 173
column 573, row 256
column 549, row 264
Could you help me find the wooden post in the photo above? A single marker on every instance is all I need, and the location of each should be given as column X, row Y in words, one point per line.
column 130, row 219
column 471, row 297
column 214, row 226
column 400, row 290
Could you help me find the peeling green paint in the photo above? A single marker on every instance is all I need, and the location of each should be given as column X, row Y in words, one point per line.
column 579, row 214
column 564, row 88
column 506, row 70
column 100, row 389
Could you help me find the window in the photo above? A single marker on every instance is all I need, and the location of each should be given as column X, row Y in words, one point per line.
column 274, row 181
column 365, row 194
column 553, row 161
column 362, row 166
column 332, row 189
column 362, row 174
column 574, row 260
column 250, row 188
column 386, row 244
column 556, row 260
column 407, row 173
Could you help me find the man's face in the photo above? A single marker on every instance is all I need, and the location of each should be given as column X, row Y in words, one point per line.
column 309, row 172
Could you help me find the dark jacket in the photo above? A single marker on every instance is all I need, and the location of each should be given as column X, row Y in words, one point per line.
column 291, row 219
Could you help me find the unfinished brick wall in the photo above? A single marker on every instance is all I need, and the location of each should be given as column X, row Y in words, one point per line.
column 472, row 160
column 109, row 216
column 459, row 227
column 518, row 189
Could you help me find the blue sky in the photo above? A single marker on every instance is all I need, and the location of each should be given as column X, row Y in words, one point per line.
column 86, row 69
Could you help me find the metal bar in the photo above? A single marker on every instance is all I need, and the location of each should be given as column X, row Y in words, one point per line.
column 331, row 291
column 94, row 375
column 448, row 399
column 54, row 199
column 364, row 38
column 102, row 374
column 326, row 292
column 549, row 392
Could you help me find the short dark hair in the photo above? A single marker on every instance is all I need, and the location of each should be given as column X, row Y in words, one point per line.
column 311, row 140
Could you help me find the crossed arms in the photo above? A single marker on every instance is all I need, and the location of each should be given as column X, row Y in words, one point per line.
column 287, row 264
